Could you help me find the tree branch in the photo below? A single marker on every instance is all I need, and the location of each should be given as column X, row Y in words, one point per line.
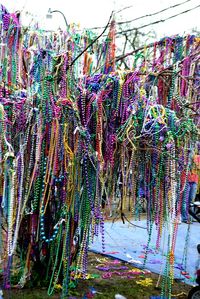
column 91, row 42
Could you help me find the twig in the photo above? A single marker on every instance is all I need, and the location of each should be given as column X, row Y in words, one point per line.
column 91, row 42
column 124, row 216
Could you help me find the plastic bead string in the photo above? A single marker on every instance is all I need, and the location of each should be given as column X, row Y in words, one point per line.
column 112, row 268
column 69, row 134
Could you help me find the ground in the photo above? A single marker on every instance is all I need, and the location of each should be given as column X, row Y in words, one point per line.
column 106, row 288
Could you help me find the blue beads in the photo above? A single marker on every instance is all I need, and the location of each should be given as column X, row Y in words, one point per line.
column 42, row 232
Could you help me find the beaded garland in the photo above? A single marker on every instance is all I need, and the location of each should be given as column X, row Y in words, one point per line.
column 69, row 134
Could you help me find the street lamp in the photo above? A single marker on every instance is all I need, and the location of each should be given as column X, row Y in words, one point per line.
column 49, row 15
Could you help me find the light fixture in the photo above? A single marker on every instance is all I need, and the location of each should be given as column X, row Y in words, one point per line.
column 50, row 12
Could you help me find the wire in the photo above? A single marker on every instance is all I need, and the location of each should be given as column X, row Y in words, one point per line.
column 159, row 21
column 124, row 8
column 155, row 13
column 92, row 42
column 144, row 16
column 114, row 13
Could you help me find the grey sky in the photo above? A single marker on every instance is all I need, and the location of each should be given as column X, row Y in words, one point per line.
column 90, row 13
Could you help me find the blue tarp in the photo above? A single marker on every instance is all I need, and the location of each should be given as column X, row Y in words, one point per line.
column 128, row 243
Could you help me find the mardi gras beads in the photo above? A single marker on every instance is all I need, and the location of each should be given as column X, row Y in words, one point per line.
column 55, row 275
column 74, row 135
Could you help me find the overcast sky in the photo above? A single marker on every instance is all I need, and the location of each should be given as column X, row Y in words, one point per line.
column 91, row 13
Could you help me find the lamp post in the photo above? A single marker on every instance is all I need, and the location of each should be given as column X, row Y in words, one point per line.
column 49, row 15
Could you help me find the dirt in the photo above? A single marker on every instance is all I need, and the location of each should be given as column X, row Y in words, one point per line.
column 106, row 288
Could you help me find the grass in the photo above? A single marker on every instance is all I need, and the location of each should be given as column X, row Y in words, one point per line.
column 106, row 288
